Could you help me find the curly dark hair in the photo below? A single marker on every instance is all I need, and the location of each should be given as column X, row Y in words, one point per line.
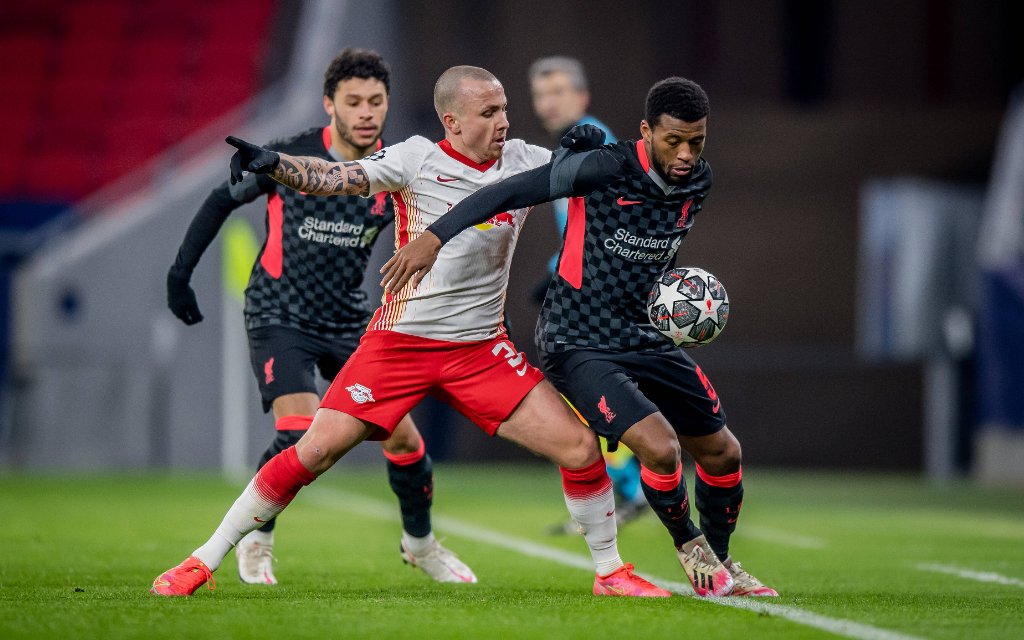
column 677, row 97
column 356, row 63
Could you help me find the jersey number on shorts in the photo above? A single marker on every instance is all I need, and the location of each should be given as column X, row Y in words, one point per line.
column 511, row 357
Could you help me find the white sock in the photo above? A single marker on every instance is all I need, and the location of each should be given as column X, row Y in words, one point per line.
column 248, row 513
column 262, row 538
column 417, row 546
column 595, row 514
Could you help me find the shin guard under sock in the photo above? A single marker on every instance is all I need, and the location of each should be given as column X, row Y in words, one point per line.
column 667, row 496
column 267, row 494
column 289, row 430
column 411, row 477
column 719, row 499
column 589, row 498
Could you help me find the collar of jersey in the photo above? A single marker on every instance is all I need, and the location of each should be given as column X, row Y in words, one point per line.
column 645, row 164
column 447, row 148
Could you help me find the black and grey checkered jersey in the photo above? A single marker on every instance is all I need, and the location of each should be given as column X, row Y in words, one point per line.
column 311, row 265
column 627, row 238
column 623, row 233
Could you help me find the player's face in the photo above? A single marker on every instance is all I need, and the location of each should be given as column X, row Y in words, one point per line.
column 674, row 146
column 482, row 119
column 358, row 110
column 558, row 103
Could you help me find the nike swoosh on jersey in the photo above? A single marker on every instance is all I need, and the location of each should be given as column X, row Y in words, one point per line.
column 443, row 179
column 622, row 203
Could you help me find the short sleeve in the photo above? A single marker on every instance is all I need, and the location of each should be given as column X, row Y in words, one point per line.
column 537, row 156
column 395, row 166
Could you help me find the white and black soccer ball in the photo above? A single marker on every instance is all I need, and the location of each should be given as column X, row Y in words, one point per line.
column 689, row 306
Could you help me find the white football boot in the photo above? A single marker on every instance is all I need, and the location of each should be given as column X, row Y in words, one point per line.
column 707, row 574
column 439, row 563
column 256, row 558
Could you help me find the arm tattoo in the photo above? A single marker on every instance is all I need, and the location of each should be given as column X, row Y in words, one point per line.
column 320, row 177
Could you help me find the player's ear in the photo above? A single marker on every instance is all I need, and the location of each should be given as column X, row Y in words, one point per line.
column 451, row 123
column 645, row 131
column 329, row 106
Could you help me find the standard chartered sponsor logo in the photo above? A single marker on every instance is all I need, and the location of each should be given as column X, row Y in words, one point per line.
column 641, row 248
column 339, row 234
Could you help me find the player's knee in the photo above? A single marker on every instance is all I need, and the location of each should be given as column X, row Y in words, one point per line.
column 315, row 458
column 401, row 443
column 723, row 458
column 732, row 456
column 581, row 453
column 663, row 456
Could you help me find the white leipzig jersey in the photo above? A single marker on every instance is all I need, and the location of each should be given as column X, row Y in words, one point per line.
column 462, row 298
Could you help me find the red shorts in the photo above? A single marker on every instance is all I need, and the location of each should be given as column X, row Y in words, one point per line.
column 390, row 372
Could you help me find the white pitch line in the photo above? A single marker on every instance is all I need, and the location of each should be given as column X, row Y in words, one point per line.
column 775, row 536
column 378, row 509
column 970, row 574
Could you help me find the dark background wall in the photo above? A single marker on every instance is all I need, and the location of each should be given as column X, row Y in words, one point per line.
column 809, row 100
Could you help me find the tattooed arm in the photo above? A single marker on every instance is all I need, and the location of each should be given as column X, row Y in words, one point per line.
column 303, row 173
column 319, row 177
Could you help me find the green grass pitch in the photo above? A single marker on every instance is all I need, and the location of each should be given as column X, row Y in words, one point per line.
column 862, row 556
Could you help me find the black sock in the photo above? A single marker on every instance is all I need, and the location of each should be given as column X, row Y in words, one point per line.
column 414, row 486
column 283, row 440
column 719, row 508
column 673, row 507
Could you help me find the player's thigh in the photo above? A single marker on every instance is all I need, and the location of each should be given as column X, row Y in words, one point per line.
column 383, row 380
column 303, row 403
column 603, row 391
column 486, row 381
column 283, row 360
column 681, row 391
column 405, row 438
column 331, row 435
column 544, row 424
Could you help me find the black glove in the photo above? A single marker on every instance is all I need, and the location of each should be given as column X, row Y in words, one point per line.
column 250, row 157
column 583, row 137
column 181, row 299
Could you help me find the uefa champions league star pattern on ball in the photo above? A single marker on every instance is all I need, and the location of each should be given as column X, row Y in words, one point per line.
column 689, row 306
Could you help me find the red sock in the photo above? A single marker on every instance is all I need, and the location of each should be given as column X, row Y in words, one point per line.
column 589, row 498
column 281, row 478
column 293, row 423
column 405, row 459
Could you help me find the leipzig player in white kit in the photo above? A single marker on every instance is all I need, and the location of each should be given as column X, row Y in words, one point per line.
column 445, row 336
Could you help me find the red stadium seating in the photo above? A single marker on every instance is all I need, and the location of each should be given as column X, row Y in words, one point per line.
column 94, row 89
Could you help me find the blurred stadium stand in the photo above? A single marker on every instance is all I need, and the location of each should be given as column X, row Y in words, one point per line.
column 810, row 100
column 101, row 86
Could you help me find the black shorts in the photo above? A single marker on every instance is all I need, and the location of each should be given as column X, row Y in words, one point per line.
column 614, row 390
column 284, row 359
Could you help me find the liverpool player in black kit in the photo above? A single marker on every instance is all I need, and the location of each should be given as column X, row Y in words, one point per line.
column 632, row 203
column 304, row 308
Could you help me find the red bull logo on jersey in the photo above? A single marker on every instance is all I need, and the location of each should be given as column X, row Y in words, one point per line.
column 500, row 220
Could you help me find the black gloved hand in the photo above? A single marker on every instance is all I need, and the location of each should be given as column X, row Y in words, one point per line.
column 181, row 299
column 250, row 157
column 583, row 137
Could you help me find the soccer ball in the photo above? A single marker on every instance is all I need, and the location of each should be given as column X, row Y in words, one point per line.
column 689, row 306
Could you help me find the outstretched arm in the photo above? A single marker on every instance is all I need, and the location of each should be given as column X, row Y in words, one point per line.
column 569, row 174
column 320, row 177
column 303, row 173
column 414, row 260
